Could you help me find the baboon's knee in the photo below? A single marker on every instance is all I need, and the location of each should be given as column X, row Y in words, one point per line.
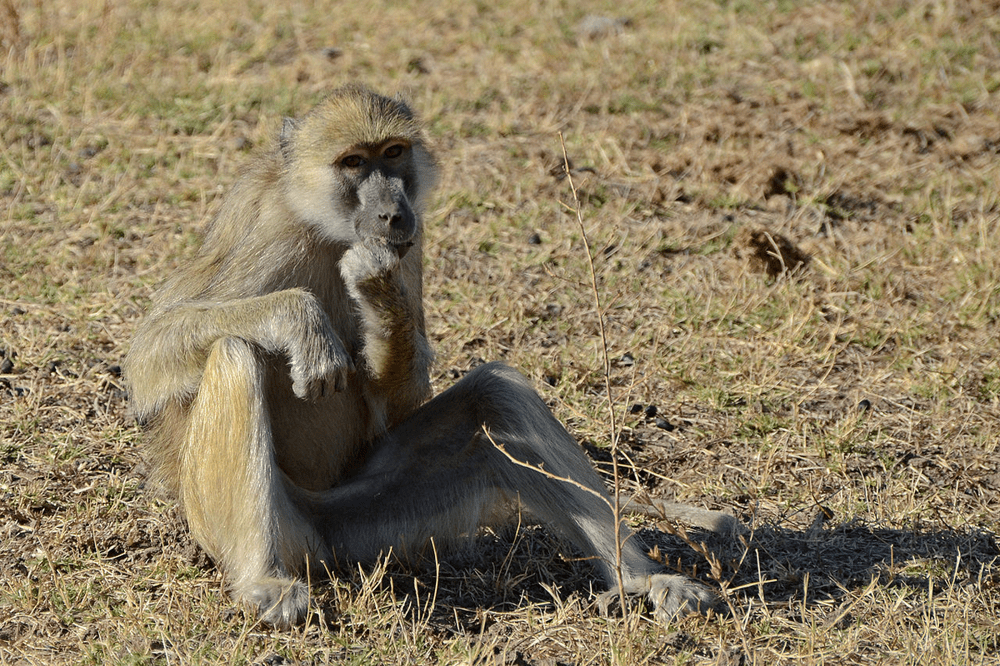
column 232, row 353
column 502, row 396
column 498, row 379
column 232, row 366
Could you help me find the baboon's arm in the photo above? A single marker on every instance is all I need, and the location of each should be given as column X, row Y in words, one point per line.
column 396, row 353
column 169, row 352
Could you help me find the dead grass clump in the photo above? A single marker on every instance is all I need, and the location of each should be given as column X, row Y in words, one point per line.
column 11, row 38
column 768, row 252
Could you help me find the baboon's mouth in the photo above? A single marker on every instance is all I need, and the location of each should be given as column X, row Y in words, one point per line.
column 402, row 248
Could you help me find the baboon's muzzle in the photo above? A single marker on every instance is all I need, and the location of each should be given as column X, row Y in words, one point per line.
column 385, row 213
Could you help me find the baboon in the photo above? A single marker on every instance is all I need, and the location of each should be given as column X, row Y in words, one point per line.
column 284, row 377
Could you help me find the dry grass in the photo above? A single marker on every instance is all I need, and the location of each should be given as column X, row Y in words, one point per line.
column 847, row 411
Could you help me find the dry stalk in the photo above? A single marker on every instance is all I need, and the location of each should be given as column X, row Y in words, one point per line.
column 541, row 470
column 428, row 608
column 615, row 473
column 676, row 529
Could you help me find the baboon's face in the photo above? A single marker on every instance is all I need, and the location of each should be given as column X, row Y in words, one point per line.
column 357, row 170
column 376, row 184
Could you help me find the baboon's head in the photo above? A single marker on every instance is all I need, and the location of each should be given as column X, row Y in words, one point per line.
column 356, row 168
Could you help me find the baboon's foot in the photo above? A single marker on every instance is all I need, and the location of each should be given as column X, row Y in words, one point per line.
column 672, row 596
column 282, row 602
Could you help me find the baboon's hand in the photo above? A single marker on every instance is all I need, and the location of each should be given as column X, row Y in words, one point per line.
column 672, row 596
column 322, row 370
column 319, row 362
column 371, row 258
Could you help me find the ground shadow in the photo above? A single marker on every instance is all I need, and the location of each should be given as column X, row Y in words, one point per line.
column 501, row 572
column 821, row 562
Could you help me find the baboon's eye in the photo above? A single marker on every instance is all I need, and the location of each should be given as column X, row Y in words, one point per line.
column 393, row 151
column 351, row 161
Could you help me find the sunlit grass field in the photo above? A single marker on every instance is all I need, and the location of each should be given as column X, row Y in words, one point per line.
column 793, row 211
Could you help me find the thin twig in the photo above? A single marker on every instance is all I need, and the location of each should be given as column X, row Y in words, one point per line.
column 616, row 476
column 541, row 470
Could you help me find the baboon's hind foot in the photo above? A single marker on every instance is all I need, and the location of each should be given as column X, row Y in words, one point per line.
column 672, row 596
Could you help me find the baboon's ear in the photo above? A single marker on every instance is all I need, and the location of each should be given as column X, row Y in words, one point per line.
column 404, row 104
column 288, row 127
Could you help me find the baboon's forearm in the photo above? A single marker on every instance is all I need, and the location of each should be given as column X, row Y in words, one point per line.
column 169, row 352
column 396, row 351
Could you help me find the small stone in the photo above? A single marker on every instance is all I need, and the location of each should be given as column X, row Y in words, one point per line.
column 664, row 424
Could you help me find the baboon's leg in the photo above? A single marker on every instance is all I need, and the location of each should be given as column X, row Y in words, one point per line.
column 438, row 475
column 233, row 493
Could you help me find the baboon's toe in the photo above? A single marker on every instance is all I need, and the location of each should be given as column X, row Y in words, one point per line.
column 282, row 602
column 674, row 596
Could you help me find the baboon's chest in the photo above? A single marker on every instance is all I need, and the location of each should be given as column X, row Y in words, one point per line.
column 317, row 443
